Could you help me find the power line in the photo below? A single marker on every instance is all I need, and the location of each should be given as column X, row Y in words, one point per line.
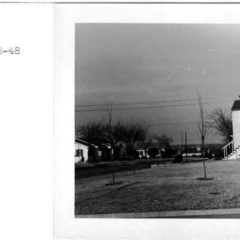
column 132, row 108
column 141, row 103
column 143, row 107
column 137, row 103
column 171, row 123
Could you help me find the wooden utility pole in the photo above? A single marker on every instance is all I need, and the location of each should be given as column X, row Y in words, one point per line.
column 186, row 144
column 182, row 140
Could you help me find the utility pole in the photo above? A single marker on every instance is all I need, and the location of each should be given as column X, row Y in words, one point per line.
column 186, row 144
column 182, row 142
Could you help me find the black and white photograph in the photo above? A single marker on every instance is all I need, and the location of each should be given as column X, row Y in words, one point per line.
column 120, row 120
column 157, row 120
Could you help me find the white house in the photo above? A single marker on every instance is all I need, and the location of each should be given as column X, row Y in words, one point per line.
column 142, row 153
column 81, row 151
column 232, row 149
column 85, row 151
column 192, row 152
column 236, row 123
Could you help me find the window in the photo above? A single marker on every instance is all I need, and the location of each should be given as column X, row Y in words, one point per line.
column 79, row 152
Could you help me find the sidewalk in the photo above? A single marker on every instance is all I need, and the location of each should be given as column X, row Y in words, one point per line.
column 215, row 213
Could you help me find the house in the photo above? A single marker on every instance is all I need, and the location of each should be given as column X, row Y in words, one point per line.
column 85, row 151
column 148, row 150
column 232, row 149
column 141, row 150
column 105, row 152
column 194, row 151
column 142, row 153
column 81, row 151
column 120, row 150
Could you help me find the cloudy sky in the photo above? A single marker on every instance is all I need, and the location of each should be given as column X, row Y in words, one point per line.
column 151, row 73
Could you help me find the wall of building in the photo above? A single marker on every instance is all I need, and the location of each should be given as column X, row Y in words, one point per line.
column 142, row 153
column 236, row 127
column 84, row 148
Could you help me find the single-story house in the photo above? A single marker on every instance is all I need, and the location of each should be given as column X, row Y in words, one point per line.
column 105, row 152
column 142, row 153
column 192, row 152
column 120, row 150
column 85, row 151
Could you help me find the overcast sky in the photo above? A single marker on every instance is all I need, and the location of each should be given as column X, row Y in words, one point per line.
column 148, row 63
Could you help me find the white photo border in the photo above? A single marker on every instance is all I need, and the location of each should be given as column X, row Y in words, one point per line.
column 66, row 225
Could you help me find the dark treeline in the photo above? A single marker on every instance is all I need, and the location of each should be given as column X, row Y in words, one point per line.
column 129, row 136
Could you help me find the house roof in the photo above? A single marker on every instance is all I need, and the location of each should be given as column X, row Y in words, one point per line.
column 81, row 141
column 236, row 105
column 84, row 142
column 105, row 145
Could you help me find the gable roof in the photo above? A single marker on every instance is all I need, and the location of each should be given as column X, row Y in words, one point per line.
column 85, row 143
column 82, row 142
column 236, row 105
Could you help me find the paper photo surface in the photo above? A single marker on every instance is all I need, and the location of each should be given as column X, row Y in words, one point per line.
column 146, row 120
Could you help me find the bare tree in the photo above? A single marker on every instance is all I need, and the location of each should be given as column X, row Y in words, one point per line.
column 93, row 132
column 222, row 123
column 131, row 134
column 202, row 129
column 164, row 144
column 111, row 139
column 163, row 140
column 98, row 132
column 110, row 131
column 202, row 124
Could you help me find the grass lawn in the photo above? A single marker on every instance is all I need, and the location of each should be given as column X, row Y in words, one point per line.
column 161, row 188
